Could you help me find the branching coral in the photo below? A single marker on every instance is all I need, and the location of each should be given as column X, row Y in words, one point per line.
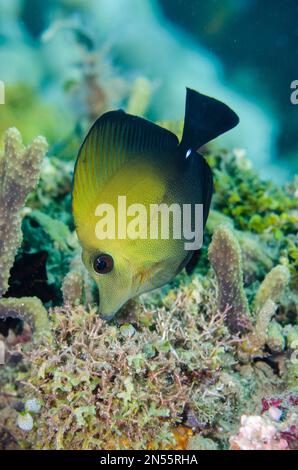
column 272, row 287
column 267, row 331
column 225, row 258
column 256, row 254
column 256, row 340
column 19, row 172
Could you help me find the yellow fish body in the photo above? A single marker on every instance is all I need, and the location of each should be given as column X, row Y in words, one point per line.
column 128, row 161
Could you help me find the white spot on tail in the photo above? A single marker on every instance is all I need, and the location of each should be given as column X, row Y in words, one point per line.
column 188, row 153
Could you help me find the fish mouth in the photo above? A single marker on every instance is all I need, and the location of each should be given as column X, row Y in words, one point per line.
column 105, row 316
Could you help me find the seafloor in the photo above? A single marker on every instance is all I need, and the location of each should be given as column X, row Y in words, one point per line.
column 208, row 362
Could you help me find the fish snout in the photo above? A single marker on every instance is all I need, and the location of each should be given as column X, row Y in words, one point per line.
column 110, row 305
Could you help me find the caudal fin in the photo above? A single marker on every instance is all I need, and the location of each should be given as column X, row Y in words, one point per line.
column 205, row 119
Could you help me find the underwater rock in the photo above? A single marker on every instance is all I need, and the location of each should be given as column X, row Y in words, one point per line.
column 19, row 172
column 28, row 277
column 217, row 218
column 55, row 181
column 23, row 109
column 291, row 334
column 256, row 256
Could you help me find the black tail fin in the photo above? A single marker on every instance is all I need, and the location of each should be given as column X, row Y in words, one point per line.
column 205, row 119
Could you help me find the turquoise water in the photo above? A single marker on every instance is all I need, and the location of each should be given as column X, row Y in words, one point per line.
column 80, row 58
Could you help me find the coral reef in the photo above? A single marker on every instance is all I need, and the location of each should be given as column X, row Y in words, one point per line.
column 19, row 172
column 29, row 309
column 129, row 385
column 108, row 378
column 259, row 207
column 273, row 285
column 178, row 368
column 257, row 433
column 268, row 332
column 78, row 287
column 257, row 339
column 275, row 429
column 209, row 361
column 225, row 258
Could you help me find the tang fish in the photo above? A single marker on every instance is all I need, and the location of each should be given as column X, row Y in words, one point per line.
column 133, row 162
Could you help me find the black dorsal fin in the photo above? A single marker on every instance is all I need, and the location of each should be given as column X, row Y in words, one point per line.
column 207, row 189
column 205, row 119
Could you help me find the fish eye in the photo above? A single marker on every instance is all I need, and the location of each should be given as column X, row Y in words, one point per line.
column 103, row 264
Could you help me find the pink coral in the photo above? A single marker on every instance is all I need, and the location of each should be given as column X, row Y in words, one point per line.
column 258, row 433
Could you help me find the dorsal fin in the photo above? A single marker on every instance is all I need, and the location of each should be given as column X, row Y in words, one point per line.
column 205, row 119
column 115, row 139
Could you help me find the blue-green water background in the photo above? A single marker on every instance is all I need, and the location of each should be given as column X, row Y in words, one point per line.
column 244, row 52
